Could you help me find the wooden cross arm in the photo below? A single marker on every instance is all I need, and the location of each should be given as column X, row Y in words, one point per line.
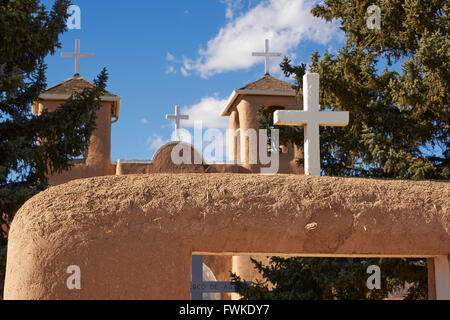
column 172, row 117
column 302, row 118
column 263, row 54
column 86, row 55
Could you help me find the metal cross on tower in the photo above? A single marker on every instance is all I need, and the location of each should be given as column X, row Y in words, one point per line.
column 77, row 55
column 177, row 117
column 267, row 55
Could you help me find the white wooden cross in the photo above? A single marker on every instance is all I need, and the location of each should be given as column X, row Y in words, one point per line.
column 177, row 117
column 312, row 119
column 77, row 55
column 266, row 54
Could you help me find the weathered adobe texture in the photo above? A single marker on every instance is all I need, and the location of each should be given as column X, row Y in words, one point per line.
column 133, row 236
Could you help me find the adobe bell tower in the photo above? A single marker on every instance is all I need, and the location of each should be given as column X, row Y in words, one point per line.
column 242, row 110
column 97, row 160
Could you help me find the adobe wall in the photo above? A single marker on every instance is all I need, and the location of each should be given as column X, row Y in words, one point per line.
column 163, row 163
column 125, row 168
column 81, row 171
column 133, row 236
column 431, row 279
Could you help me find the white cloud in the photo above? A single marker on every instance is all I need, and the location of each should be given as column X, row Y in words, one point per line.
column 169, row 57
column 155, row 142
column 208, row 110
column 170, row 70
column 143, row 121
column 232, row 6
column 184, row 72
column 285, row 22
column 229, row 13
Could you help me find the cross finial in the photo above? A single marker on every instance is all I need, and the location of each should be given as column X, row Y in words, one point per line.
column 177, row 117
column 77, row 55
column 267, row 55
column 312, row 119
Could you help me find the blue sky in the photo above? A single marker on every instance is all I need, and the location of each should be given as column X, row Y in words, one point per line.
column 189, row 53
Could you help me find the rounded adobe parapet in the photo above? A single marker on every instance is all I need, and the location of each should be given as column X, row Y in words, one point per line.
column 164, row 161
column 132, row 236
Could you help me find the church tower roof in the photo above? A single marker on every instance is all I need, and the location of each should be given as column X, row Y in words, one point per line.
column 266, row 86
column 269, row 83
column 76, row 84
column 62, row 91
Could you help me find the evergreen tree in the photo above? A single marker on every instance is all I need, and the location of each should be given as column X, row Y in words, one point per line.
column 33, row 147
column 399, row 126
column 336, row 278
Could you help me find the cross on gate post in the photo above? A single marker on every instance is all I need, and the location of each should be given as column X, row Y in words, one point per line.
column 312, row 119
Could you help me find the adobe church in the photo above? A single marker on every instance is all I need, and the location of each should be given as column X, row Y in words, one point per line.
column 241, row 109
column 136, row 224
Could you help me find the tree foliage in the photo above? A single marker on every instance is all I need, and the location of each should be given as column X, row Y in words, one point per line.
column 399, row 120
column 333, row 279
column 399, row 128
column 33, row 147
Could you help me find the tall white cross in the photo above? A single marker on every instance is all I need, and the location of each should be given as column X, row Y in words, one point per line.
column 266, row 54
column 77, row 55
column 312, row 119
column 177, row 117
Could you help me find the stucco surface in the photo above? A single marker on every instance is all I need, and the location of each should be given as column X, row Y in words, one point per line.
column 133, row 236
